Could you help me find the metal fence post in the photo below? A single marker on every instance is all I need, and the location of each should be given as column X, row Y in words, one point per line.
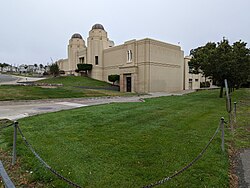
column 222, row 121
column 5, row 178
column 235, row 103
column 14, row 143
column 229, row 106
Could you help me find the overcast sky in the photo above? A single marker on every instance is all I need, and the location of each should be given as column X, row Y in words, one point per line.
column 33, row 31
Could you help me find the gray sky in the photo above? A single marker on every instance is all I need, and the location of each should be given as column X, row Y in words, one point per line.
column 32, row 31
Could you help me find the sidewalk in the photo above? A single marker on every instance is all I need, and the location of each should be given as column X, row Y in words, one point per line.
column 244, row 169
column 20, row 79
column 15, row 110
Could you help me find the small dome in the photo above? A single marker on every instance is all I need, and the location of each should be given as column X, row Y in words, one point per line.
column 98, row 26
column 76, row 36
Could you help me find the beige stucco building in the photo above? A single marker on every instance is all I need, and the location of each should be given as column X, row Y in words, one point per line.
column 144, row 66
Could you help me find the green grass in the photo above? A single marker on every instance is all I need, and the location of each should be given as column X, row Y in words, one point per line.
column 241, row 135
column 68, row 90
column 129, row 144
column 74, row 81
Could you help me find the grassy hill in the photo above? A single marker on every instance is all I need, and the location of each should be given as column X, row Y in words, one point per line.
column 74, row 81
column 69, row 89
column 130, row 144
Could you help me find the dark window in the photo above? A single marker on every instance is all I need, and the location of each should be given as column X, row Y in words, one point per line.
column 81, row 59
column 190, row 79
column 196, row 80
column 129, row 85
column 96, row 60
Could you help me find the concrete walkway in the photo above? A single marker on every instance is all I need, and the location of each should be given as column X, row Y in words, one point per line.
column 14, row 80
column 15, row 110
column 244, row 169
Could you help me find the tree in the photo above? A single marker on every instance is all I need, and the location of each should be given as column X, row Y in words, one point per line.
column 2, row 65
column 41, row 66
column 222, row 61
column 241, row 64
column 54, row 69
column 84, row 68
column 35, row 65
column 113, row 78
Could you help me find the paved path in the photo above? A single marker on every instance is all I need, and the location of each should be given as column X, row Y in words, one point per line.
column 18, row 109
column 14, row 80
column 244, row 168
column 7, row 78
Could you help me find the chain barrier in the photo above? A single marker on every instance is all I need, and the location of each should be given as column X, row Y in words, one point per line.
column 44, row 163
column 6, row 126
column 5, row 178
column 162, row 181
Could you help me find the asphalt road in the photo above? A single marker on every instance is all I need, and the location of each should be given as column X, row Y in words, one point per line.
column 7, row 78
column 245, row 168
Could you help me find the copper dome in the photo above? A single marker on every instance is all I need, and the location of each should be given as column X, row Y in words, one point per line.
column 98, row 26
column 76, row 36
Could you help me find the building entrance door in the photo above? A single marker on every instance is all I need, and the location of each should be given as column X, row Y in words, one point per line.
column 128, row 83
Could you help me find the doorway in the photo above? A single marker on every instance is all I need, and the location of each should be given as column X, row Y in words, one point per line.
column 128, row 83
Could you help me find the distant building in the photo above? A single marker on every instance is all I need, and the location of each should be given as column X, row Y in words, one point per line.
column 144, row 66
column 192, row 81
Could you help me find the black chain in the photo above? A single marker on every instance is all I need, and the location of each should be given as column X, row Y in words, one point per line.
column 45, row 164
column 187, row 166
column 5, row 126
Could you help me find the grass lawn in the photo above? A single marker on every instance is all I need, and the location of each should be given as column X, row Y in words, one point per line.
column 129, row 144
column 241, row 135
column 68, row 90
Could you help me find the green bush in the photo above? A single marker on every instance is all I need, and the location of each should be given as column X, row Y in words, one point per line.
column 113, row 78
column 84, row 67
column 205, row 84
column 61, row 72
column 45, row 73
column 54, row 69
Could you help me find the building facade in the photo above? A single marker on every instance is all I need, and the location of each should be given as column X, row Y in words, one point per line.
column 144, row 66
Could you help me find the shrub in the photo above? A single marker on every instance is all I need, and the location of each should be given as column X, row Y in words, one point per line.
column 54, row 69
column 205, row 84
column 45, row 73
column 61, row 72
column 113, row 78
column 83, row 68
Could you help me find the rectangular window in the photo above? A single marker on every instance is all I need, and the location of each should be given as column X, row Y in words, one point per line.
column 96, row 60
column 196, row 80
column 190, row 79
column 129, row 56
column 81, row 60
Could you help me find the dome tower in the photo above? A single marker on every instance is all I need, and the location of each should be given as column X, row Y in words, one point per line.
column 97, row 42
column 76, row 44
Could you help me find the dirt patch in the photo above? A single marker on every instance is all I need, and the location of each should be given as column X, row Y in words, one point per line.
column 233, row 160
column 19, row 176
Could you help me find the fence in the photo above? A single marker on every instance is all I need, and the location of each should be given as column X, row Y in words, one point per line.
column 17, row 129
column 231, row 110
column 6, row 180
